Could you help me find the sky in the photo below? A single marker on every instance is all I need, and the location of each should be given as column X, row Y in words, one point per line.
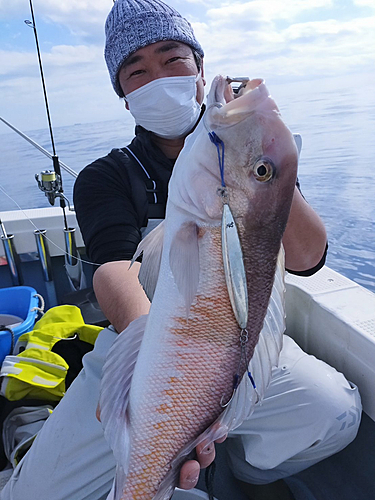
column 282, row 41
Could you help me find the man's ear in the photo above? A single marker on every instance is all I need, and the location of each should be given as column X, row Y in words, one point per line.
column 126, row 104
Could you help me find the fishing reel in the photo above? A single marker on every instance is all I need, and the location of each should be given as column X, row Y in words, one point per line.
column 49, row 182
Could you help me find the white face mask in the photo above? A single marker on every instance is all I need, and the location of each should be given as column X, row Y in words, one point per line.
column 166, row 106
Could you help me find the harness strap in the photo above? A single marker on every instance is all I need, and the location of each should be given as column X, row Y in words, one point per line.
column 144, row 170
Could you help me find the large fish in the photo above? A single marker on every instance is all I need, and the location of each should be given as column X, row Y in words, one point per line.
column 214, row 270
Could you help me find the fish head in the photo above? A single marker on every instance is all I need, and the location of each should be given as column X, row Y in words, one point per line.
column 258, row 154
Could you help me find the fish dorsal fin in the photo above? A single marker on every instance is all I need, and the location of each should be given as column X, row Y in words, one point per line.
column 151, row 247
column 114, row 392
column 184, row 261
column 266, row 355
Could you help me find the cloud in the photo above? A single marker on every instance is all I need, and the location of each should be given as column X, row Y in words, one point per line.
column 76, row 79
column 297, row 49
column 260, row 38
column 263, row 11
column 204, row 3
column 365, row 3
column 83, row 20
column 80, row 14
column 64, row 8
column 78, row 89
column 12, row 62
column 60, row 56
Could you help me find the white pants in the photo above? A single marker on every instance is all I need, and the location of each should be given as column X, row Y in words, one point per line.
column 309, row 412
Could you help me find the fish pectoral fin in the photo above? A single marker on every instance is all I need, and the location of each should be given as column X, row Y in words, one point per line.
column 151, row 247
column 115, row 388
column 298, row 140
column 184, row 261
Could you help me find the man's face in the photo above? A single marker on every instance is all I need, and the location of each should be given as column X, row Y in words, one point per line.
column 159, row 60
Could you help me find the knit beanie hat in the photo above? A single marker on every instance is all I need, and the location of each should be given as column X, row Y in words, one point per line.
column 133, row 24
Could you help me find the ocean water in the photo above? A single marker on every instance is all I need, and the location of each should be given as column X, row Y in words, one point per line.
column 336, row 118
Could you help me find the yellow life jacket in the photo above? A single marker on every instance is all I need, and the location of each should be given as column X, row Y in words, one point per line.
column 34, row 370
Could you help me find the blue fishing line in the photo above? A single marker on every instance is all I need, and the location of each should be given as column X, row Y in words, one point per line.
column 220, row 153
column 236, row 381
column 251, row 379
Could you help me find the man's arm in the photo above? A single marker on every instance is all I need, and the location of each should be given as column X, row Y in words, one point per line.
column 305, row 236
column 119, row 293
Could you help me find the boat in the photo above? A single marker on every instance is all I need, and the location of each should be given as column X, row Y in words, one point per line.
column 329, row 316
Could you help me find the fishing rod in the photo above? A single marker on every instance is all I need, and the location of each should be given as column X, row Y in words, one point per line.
column 39, row 147
column 11, row 255
column 51, row 180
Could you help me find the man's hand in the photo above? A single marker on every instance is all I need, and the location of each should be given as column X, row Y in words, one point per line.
column 190, row 470
column 189, row 474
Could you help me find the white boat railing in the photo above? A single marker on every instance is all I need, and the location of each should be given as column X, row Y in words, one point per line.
column 23, row 223
column 330, row 316
column 333, row 318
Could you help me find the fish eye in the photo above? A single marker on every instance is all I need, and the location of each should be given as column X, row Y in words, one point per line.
column 263, row 170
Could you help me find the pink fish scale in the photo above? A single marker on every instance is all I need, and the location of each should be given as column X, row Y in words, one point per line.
column 192, row 367
column 191, row 400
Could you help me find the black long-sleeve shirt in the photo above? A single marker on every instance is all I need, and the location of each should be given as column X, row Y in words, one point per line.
column 116, row 195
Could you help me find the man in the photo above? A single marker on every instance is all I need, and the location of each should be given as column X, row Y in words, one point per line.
column 140, row 62
column 151, row 52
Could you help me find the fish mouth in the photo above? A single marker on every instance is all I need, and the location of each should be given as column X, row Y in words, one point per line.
column 245, row 87
column 224, row 108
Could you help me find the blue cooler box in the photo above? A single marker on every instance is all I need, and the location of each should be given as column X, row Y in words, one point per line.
column 16, row 304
